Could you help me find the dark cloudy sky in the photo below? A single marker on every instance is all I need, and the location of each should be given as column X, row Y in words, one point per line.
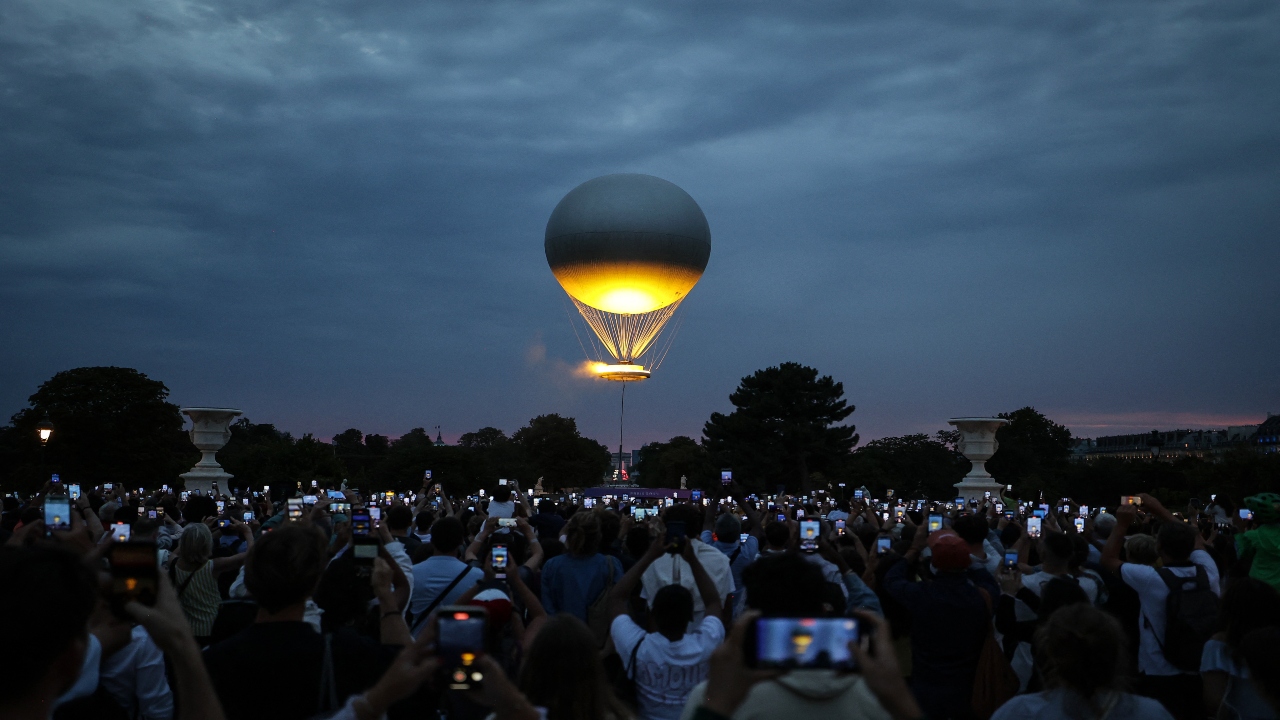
column 331, row 214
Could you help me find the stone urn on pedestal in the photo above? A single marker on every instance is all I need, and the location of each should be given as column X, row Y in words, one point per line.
column 209, row 432
column 978, row 444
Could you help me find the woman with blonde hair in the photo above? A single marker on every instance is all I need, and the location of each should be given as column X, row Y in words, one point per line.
column 195, row 575
column 574, row 581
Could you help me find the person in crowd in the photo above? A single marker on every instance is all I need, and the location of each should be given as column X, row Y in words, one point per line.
column 674, row 570
column 1247, row 605
column 1056, row 550
column 574, row 581
column 547, row 520
column 1142, row 550
column 563, row 673
column 399, row 520
column 1262, row 544
column 442, row 578
column 1258, row 650
column 293, row 671
column 973, row 529
column 949, row 620
column 502, row 505
column 54, row 662
column 1080, row 653
column 668, row 662
column 1181, row 552
column 195, row 575
column 1099, row 532
column 1020, row 634
column 134, row 675
column 784, row 585
column 726, row 536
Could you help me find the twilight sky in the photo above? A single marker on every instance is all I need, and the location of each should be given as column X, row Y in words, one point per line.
column 331, row 214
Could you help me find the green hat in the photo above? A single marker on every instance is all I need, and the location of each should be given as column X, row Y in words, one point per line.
column 1265, row 507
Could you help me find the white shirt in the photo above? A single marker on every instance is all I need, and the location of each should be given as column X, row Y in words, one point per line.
column 1153, row 593
column 673, row 570
column 666, row 672
column 502, row 509
column 134, row 676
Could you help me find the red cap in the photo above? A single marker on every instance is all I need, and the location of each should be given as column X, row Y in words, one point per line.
column 949, row 551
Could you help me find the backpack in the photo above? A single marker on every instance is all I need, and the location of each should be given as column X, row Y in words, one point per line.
column 1191, row 617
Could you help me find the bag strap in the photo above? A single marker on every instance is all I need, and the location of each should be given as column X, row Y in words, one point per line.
column 417, row 625
column 736, row 552
column 328, row 699
column 173, row 578
column 631, row 669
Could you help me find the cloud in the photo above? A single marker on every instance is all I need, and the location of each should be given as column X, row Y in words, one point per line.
column 331, row 214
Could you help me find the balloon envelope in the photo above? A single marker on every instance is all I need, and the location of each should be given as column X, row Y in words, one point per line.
column 627, row 243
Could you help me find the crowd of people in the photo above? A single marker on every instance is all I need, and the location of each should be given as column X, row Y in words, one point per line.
column 324, row 602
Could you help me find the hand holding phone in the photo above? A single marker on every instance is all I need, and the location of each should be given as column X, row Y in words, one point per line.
column 460, row 632
column 499, row 560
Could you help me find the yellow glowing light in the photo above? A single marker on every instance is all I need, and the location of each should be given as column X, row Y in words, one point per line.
column 624, row 372
column 131, row 584
column 468, row 658
column 45, row 433
column 627, row 288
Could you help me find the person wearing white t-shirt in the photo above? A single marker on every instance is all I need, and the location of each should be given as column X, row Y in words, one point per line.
column 1181, row 549
column 666, row 664
column 674, row 570
column 502, row 506
column 1055, row 554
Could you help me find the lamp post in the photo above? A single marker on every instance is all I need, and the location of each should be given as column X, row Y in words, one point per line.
column 44, row 430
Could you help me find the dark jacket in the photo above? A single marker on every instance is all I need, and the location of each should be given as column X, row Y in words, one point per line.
column 949, row 621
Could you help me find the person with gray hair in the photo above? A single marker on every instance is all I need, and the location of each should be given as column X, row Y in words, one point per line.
column 195, row 576
column 1103, row 524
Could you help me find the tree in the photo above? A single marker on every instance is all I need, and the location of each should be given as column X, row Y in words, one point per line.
column 784, row 427
column 913, row 465
column 560, row 455
column 1033, row 451
column 112, row 424
column 259, row 454
column 663, row 464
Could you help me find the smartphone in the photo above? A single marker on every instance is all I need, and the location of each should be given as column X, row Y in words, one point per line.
column 499, row 555
column 506, row 522
column 460, row 631
column 364, row 548
column 164, row 488
column 151, row 514
column 809, row 530
column 295, row 508
column 75, row 491
column 1033, row 527
column 107, row 486
column 1039, row 513
column 121, row 532
column 637, row 513
column 1245, row 514
column 591, row 502
column 375, row 513
column 314, row 483
column 135, row 573
column 898, row 512
column 185, row 495
column 309, row 499
column 935, row 523
column 1130, row 500
column 1084, row 511
column 502, row 482
column 1010, row 560
column 840, row 527
column 857, row 494
column 361, row 523
column 782, row 517
column 999, row 507
column 669, row 502
column 987, row 494
column 159, row 511
column 335, row 495
column 882, row 544
column 248, row 516
column 799, row 513
column 224, row 523
column 221, row 505
column 802, row 643
column 340, row 508
column 675, row 537
column 57, row 513
column 743, row 537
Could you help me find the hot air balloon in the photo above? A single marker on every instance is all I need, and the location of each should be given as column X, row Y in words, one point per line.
column 627, row 249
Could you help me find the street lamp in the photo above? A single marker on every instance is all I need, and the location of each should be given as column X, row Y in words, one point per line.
column 44, row 430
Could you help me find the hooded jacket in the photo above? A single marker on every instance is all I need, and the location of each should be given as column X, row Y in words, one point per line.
column 808, row 694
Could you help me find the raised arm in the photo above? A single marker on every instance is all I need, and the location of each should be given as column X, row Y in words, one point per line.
column 706, row 586
column 622, row 590
column 1125, row 515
